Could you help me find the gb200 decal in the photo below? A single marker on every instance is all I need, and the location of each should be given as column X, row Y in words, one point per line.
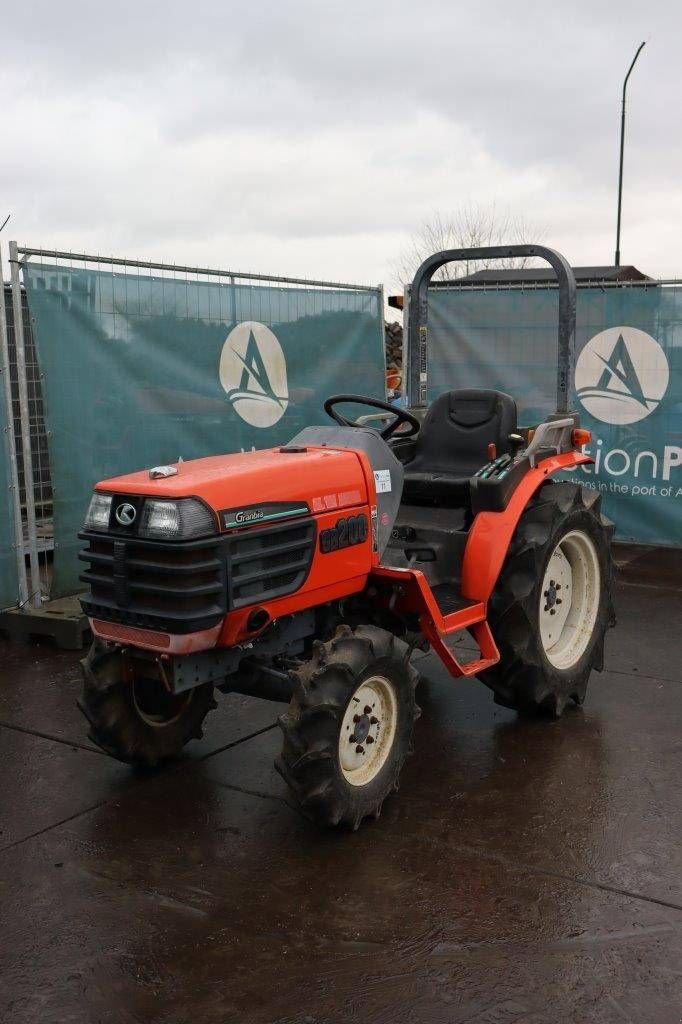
column 344, row 533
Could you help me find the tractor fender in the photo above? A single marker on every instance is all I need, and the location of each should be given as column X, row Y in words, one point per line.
column 491, row 532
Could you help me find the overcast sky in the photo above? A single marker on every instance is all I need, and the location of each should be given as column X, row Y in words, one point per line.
column 313, row 138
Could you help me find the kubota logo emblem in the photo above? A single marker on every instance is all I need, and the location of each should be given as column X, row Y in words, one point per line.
column 621, row 375
column 125, row 514
column 253, row 372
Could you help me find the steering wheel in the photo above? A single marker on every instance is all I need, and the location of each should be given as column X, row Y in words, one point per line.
column 401, row 415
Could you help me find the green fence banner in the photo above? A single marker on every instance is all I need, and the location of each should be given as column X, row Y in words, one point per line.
column 627, row 384
column 140, row 370
column 9, row 585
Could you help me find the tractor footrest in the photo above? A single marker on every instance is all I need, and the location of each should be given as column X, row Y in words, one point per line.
column 480, row 631
column 449, row 598
column 472, row 668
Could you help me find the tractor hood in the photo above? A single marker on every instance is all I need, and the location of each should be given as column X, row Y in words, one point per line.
column 317, row 479
column 176, row 548
column 320, row 470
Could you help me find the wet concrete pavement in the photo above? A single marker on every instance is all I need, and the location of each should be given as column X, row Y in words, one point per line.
column 526, row 872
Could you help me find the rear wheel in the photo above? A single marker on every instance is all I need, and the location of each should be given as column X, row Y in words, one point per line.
column 349, row 725
column 136, row 720
column 553, row 601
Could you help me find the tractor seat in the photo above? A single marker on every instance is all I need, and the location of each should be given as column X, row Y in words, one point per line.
column 453, row 443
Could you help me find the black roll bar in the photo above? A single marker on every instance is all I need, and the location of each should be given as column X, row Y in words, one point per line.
column 417, row 323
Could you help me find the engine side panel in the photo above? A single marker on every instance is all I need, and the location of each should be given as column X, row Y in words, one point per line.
column 386, row 470
column 337, row 568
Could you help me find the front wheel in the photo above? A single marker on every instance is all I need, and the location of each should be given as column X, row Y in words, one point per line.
column 553, row 601
column 135, row 719
column 349, row 725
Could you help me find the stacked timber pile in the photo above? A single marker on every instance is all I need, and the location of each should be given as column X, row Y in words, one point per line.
column 394, row 345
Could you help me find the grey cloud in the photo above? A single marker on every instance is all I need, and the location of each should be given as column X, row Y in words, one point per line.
column 167, row 122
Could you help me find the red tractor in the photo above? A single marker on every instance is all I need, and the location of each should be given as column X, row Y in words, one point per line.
column 312, row 571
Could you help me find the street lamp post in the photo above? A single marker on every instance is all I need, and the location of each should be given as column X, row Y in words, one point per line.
column 622, row 143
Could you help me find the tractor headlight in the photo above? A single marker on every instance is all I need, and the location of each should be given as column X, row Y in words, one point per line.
column 176, row 520
column 97, row 517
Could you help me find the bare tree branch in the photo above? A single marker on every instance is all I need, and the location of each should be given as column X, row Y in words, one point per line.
column 466, row 228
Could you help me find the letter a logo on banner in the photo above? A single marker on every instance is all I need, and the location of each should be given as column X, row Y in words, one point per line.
column 621, row 375
column 253, row 373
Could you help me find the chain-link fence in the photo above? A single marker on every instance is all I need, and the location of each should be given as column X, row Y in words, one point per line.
column 133, row 362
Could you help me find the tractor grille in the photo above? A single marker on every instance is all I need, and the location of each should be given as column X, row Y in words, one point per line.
column 268, row 562
column 187, row 586
column 177, row 588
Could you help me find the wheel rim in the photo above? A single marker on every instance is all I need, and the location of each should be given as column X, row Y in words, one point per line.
column 156, row 706
column 368, row 730
column 569, row 599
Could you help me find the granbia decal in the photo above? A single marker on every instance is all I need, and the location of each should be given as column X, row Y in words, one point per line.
column 253, row 514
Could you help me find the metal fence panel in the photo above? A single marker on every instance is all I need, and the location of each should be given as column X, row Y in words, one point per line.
column 34, row 507
column 627, row 385
column 139, row 369
column 13, row 590
column 40, row 460
column 9, row 587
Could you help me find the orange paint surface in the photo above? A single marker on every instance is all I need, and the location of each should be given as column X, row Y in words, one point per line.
column 332, row 575
column 323, row 478
column 491, row 532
